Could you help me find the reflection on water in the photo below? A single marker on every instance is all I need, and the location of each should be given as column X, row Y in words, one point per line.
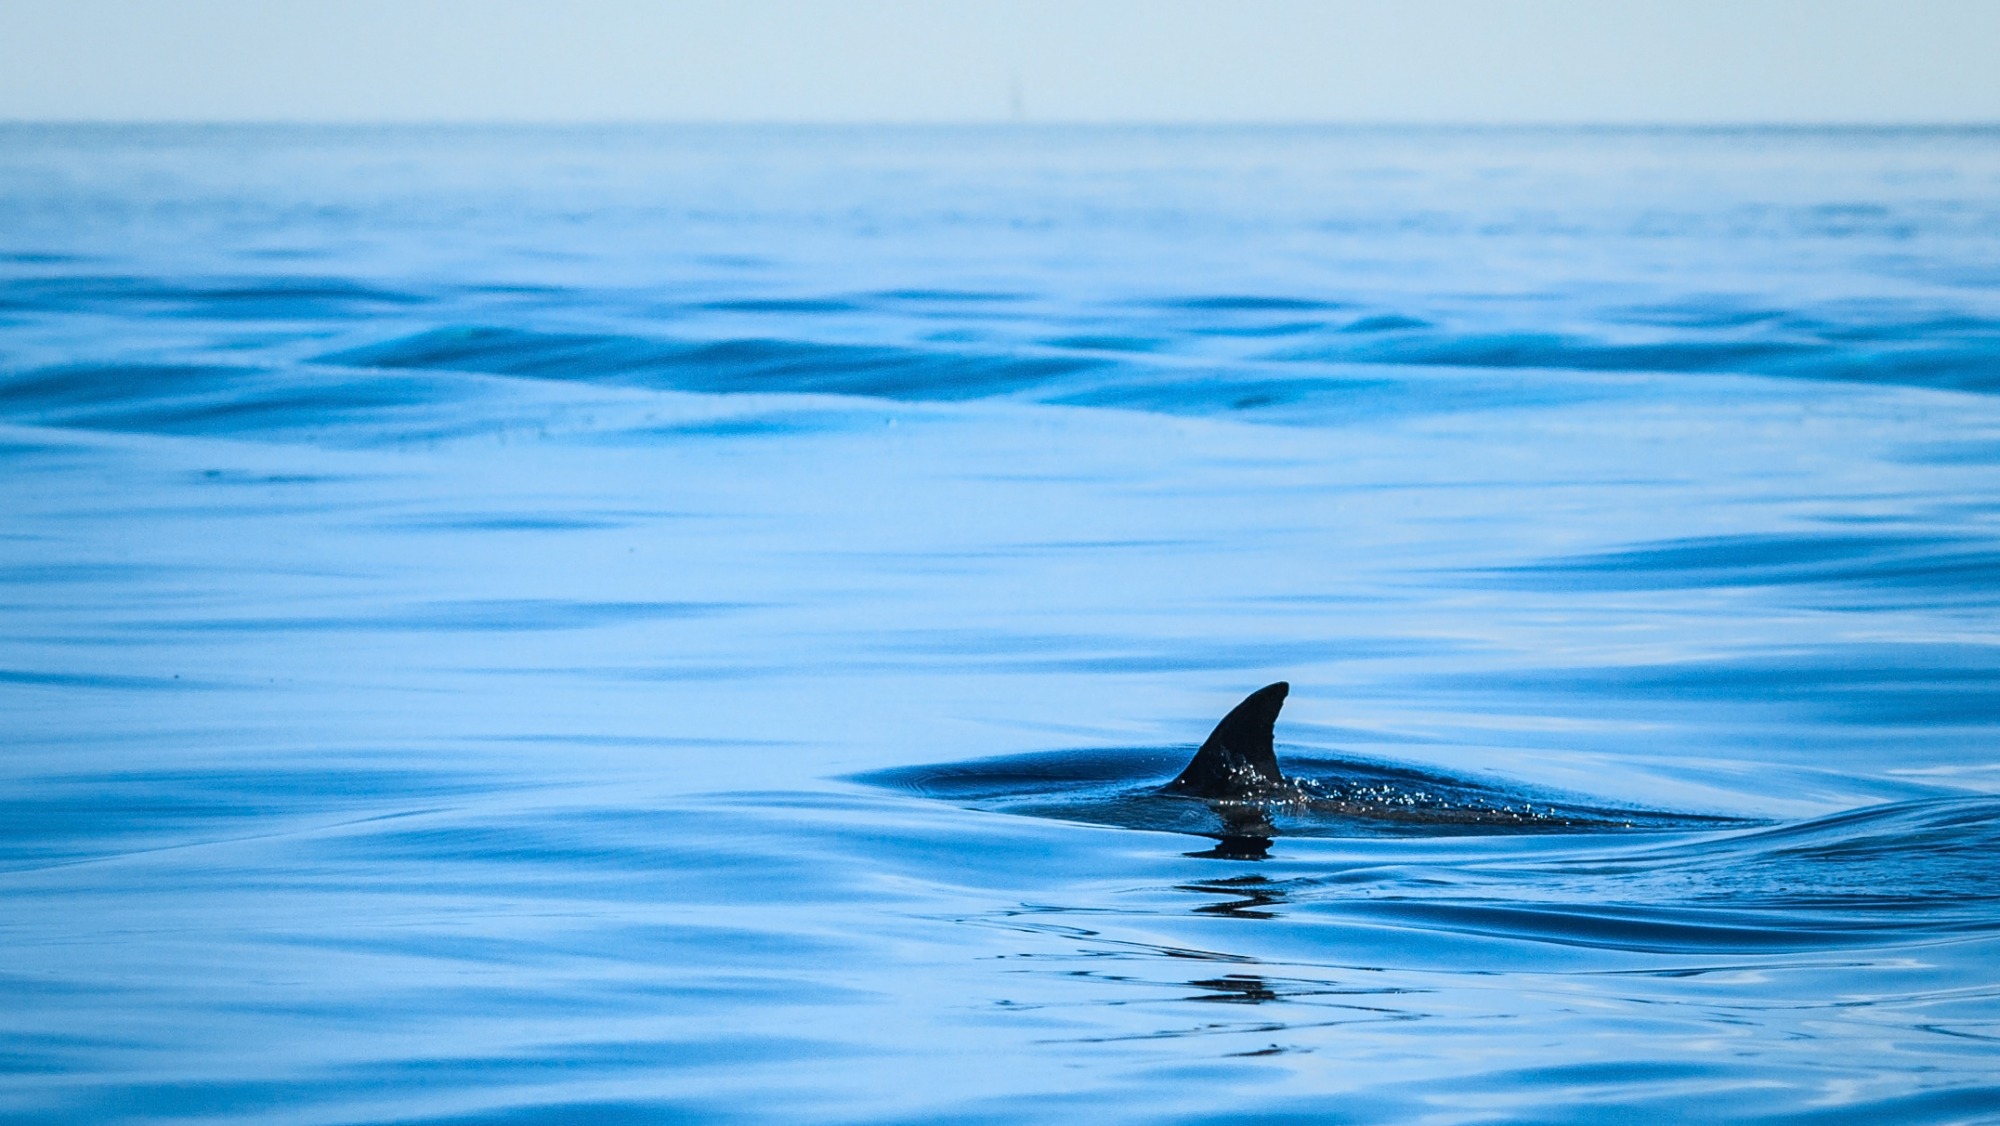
column 1235, row 989
column 1237, row 848
column 455, row 581
column 1243, row 897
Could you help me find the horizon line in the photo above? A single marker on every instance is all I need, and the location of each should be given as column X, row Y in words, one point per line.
column 1008, row 123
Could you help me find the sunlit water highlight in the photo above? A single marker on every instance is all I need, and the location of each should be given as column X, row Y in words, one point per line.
column 462, row 592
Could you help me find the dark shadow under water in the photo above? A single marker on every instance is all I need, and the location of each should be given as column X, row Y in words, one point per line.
column 1322, row 796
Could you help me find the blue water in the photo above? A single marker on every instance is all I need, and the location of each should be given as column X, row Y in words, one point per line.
column 455, row 586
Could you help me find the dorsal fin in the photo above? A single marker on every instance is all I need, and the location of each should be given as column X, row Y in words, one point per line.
column 1237, row 760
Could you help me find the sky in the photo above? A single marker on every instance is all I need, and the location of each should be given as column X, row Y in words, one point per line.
column 1443, row 61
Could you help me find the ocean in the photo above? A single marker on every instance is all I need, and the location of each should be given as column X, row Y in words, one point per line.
column 490, row 619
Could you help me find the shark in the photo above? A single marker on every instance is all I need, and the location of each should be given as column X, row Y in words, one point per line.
column 1239, row 759
column 1235, row 791
column 1236, row 772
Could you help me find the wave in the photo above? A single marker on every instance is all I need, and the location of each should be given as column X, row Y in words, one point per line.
column 1653, row 930
column 486, row 615
column 209, row 399
column 402, row 385
column 1866, row 566
column 1884, row 875
column 1250, row 303
column 725, row 366
column 1907, row 874
column 1874, row 683
column 242, row 298
column 1193, row 355
column 1922, row 356
column 1543, row 350
column 65, row 818
column 1106, row 369
column 1087, row 371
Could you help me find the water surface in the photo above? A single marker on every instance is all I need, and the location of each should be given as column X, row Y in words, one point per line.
column 453, row 581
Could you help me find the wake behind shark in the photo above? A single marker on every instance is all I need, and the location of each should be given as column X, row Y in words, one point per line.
column 1234, row 791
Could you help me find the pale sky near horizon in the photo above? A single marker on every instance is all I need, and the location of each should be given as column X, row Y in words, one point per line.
column 1721, row 61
